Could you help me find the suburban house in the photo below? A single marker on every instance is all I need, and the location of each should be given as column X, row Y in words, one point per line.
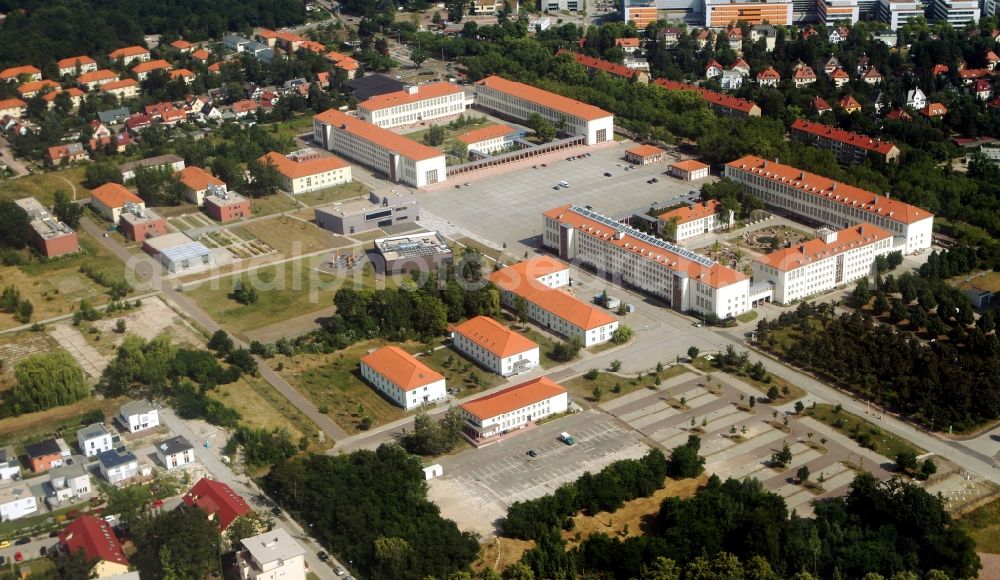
column 144, row 69
column 402, row 378
column 495, row 347
column 110, row 199
column 68, row 153
column 44, row 455
column 916, row 99
column 17, row 501
column 169, row 161
column 218, row 500
column 272, row 555
column 644, row 154
column 138, row 415
column 94, row 439
column 68, row 482
column 96, row 539
column 197, row 182
column 175, row 452
column 20, row 73
column 690, row 221
column 307, row 171
column 768, row 77
column 512, row 408
column 118, row 465
column 32, row 88
column 12, row 108
column 129, row 54
column 10, row 467
column 95, row 79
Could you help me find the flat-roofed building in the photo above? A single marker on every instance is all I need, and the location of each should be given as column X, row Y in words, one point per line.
column 414, row 104
column 683, row 279
column 197, row 183
column 138, row 223
column 273, row 555
column 642, row 13
column 722, row 13
column 513, row 408
column 400, row 159
column 381, row 208
column 179, row 253
column 421, row 252
column 168, row 161
column 226, row 206
column 302, row 172
column 495, row 347
column 831, row 259
column 824, row 201
column 835, row 11
column 896, row 13
column 51, row 237
column 955, row 12
column 17, row 501
column 849, row 147
column 690, row 221
column 402, row 378
column 519, row 101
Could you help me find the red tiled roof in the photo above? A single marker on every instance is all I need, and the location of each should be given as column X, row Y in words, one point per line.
column 180, row 73
column 560, row 103
column 181, row 44
column 485, row 134
column 385, row 138
column 816, row 249
column 849, row 102
column 200, row 54
column 244, row 106
column 295, row 169
column 839, row 74
column 114, row 195
column 804, row 72
column 494, row 337
column 401, row 368
column 12, row 103
column 197, row 179
column 124, row 83
column 992, row 56
column 513, row 398
column 97, row 75
column 872, row 73
column 16, row 71
column 898, row 115
column 820, row 105
column 151, row 65
column 35, row 86
column 95, row 537
column 687, row 214
column 522, row 277
column 128, row 51
column 847, row 137
column 599, row 64
column 627, row 42
column 644, row 151
column 934, row 110
column 971, row 74
column 423, row 93
column 73, row 60
column 217, row 499
column 689, row 165
column 940, row 69
column 717, row 99
column 768, row 73
column 825, row 187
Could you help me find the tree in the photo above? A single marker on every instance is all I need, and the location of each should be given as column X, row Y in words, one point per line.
column 782, row 458
column 693, row 352
column 772, row 394
column 544, row 130
column 245, row 526
column 803, row 474
column 74, row 566
column 128, row 503
column 799, row 407
column 597, row 393
column 264, row 178
column 15, row 225
column 684, row 460
column 566, row 350
column 928, row 468
column 45, row 381
column 418, row 56
column 906, row 460
column 221, row 342
column 615, row 366
column 120, row 326
column 521, row 309
column 434, row 135
column 862, row 292
column 185, row 543
column 67, row 211
column 621, row 335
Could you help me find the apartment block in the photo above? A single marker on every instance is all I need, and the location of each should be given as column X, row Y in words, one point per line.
column 414, row 104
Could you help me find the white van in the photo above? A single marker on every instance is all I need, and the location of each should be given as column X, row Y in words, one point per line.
column 563, row 184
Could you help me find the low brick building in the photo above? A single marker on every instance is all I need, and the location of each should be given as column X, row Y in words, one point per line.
column 51, row 237
column 138, row 224
column 226, row 206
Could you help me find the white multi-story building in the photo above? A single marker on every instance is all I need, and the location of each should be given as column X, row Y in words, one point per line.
column 17, row 501
column 414, row 104
column 824, row 201
column 495, row 347
column 837, row 11
column 681, row 278
column 138, row 415
column 830, row 260
column 486, row 140
column 513, row 408
column 118, row 465
column 694, row 220
column 896, row 13
column 402, row 378
column 400, row 159
column 94, row 439
column 175, row 452
column 68, row 482
column 538, row 281
column 955, row 12
column 519, row 101
column 300, row 174
column 272, row 555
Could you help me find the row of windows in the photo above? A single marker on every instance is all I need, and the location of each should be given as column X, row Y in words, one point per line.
column 403, row 118
column 450, row 100
column 521, row 108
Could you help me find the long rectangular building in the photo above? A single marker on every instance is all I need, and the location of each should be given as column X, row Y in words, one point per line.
column 825, row 201
column 414, row 104
column 519, row 101
column 513, row 408
column 722, row 13
column 402, row 160
column 683, row 279
column 831, row 259
column 720, row 103
column 849, row 147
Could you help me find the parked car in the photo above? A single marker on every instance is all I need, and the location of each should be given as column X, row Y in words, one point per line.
column 3, row 561
column 607, row 174
column 23, row 541
column 338, row 571
column 5, row 544
column 532, row 453
column 54, row 533
column 18, row 557
column 696, row 324
column 276, row 511
column 43, row 550
column 323, row 556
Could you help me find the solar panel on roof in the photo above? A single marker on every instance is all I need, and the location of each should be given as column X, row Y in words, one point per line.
column 653, row 241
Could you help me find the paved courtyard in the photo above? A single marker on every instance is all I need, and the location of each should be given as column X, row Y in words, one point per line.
column 480, row 484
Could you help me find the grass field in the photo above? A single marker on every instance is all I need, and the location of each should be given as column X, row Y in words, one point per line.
column 449, row 134
column 276, row 203
column 883, row 443
column 983, row 525
column 989, row 281
column 58, row 419
column 288, row 130
column 290, row 236
column 43, row 186
column 794, row 392
column 331, row 194
column 583, row 388
column 457, row 369
column 56, row 286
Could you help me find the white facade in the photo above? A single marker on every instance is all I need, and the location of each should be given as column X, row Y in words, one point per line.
column 916, row 99
column 956, row 12
column 17, row 502
column 822, row 264
column 138, row 415
column 513, row 408
column 731, row 80
column 504, row 366
column 69, row 482
column 94, row 439
column 896, row 13
column 10, row 467
column 403, row 379
column 412, row 105
column 825, row 201
column 677, row 276
column 399, row 158
column 696, row 221
column 118, row 469
column 175, row 452
column 837, row 11
column 520, row 101
column 273, row 555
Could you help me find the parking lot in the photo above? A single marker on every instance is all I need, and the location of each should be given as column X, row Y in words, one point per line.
column 478, row 485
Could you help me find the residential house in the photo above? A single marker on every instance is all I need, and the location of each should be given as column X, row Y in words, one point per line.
column 669, row 36
column 32, row 88
column 68, row 482
column 402, row 378
column 820, row 105
column 10, row 467
column 12, row 108
column 168, row 161
column 849, row 104
column 840, row 78
column 243, row 108
column 94, row 439
column 916, row 99
column 138, row 416
column 196, row 182
column 803, row 76
column 182, row 45
column 44, row 455
column 512, row 408
column 110, row 199
column 847, row 146
column 123, row 89
column 68, row 153
column 183, row 74
column 146, row 68
column 114, row 116
column 741, row 66
column 992, row 60
column 76, row 65
column 838, row 34
column 175, row 452
column 940, row 70
column 764, row 32
column 934, row 110
column 343, row 62
column 217, row 500
column 768, row 77
column 721, row 103
column 629, row 45
column 201, row 55
column 93, row 80
column 731, row 80
column 272, row 555
column 831, row 65
column 96, row 539
column 118, row 465
column 16, row 502
column 118, row 142
column 495, row 347
column 982, row 90
column 734, row 35
column 596, row 64
column 971, row 75
column 21, row 73
column 713, row 69
column 75, row 96
column 898, row 115
column 129, row 54
column 872, row 76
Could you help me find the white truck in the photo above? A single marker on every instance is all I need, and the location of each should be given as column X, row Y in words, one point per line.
column 566, row 438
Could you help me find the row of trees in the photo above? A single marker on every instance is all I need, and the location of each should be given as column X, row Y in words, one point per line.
column 430, row 437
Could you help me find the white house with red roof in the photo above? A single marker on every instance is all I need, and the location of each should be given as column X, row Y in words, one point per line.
column 219, row 501
column 833, row 203
column 197, row 183
column 512, row 408
column 831, row 259
column 12, row 107
column 299, row 175
column 713, row 69
column 96, row 539
column 495, row 347
column 414, row 104
column 803, row 76
column 21, row 73
column 129, row 54
column 695, row 220
column 489, row 139
column 768, row 77
column 110, row 199
column 402, row 378
column 76, row 65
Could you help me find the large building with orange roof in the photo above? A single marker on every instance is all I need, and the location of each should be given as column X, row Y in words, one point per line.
column 110, row 200
column 519, row 101
column 402, row 378
column 300, row 174
column 399, row 159
column 822, row 200
column 495, row 347
column 831, row 259
column 513, row 408
column 199, row 183
column 539, row 282
column 847, row 146
column 693, row 220
column 414, row 104
column 683, row 279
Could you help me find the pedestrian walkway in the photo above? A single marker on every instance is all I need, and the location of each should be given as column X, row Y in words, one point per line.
column 68, row 337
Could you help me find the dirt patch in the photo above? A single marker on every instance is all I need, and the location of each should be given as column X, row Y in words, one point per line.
column 499, row 553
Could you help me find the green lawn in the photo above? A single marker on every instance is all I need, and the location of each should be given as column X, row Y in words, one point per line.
column 43, row 186
column 983, row 525
column 331, row 194
column 276, row 203
column 288, row 130
column 449, row 134
column 457, row 370
column 583, row 388
column 748, row 316
column 866, row 433
column 794, row 392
